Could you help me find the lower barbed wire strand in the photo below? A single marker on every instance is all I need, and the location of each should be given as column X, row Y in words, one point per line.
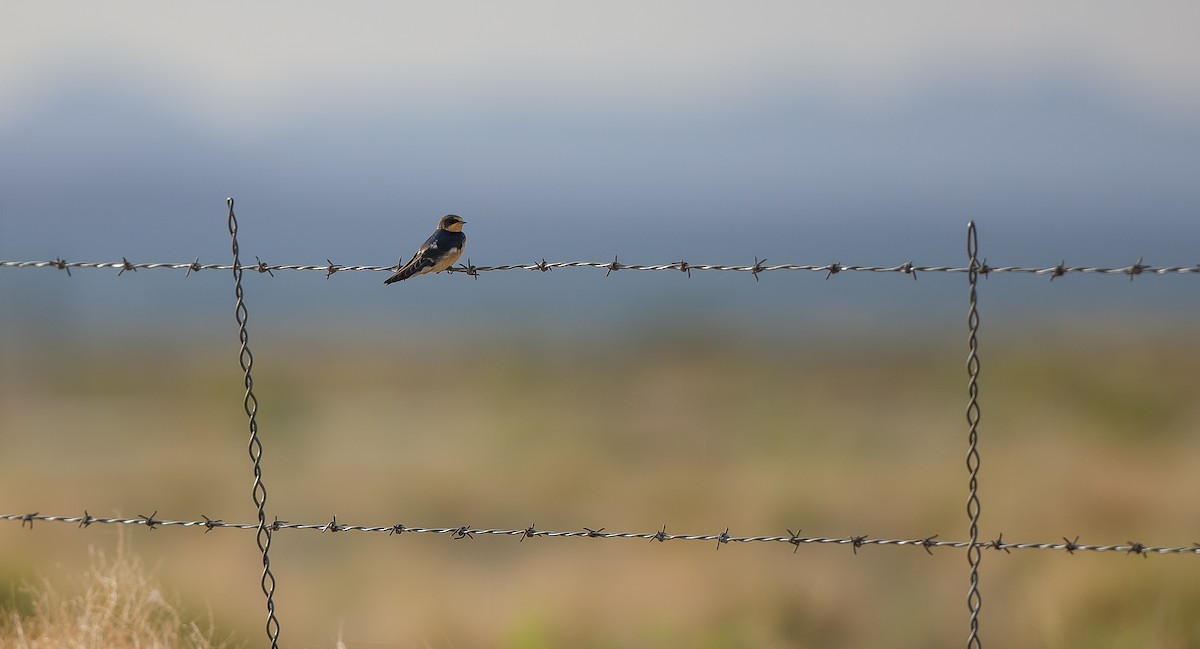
column 723, row 538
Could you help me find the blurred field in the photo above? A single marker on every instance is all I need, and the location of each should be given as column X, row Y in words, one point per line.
column 117, row 604
column 1090, row 433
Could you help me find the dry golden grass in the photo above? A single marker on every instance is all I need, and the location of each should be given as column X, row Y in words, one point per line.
column 116, row 604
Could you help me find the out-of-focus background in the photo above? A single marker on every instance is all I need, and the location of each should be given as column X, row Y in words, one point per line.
column 712, row 132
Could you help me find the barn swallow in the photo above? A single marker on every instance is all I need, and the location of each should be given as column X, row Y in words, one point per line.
column 439, row 251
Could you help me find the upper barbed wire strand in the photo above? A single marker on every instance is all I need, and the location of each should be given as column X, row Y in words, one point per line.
column 907, row 268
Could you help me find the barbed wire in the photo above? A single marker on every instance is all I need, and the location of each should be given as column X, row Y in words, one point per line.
column 928, row 543
column 759, row 266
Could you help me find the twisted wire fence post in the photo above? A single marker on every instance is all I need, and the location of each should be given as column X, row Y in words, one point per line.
column 250, row 404
column 974, row 550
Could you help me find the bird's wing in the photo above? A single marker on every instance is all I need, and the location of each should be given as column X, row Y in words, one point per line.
column 425, row 257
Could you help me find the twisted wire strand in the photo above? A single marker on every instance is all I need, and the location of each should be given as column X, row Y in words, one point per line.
column 907, row 268
column 928, row 543
column 255, row 447
column 974, row 553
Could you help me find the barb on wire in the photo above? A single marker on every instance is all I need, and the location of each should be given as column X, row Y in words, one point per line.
column 471, row 270
column 723, row 538
column 250, row 405
column 530, row 532
column 758, row 267
column 149, row 521
column 795, row 539
column 614, row 265
column 1136, row 269
column 661, row 535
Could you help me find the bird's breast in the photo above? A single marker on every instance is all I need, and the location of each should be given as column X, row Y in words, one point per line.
column 446, row 260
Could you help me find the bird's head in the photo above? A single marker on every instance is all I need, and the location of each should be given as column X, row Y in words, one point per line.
column 451, row 222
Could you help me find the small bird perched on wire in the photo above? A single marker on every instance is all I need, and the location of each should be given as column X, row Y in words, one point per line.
column 439, row 251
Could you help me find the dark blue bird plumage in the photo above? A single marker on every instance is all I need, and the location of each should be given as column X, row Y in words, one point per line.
column 439, row 251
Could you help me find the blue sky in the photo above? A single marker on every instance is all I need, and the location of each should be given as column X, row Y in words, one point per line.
column 713, row 131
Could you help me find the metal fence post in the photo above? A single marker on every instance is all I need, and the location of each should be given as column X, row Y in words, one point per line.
column 974, row 550
column 250, row 404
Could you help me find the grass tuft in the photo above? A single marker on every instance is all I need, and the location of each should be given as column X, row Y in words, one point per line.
column 117, row 603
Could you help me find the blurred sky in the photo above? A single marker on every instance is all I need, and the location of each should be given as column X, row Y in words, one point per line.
column 863, row 132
